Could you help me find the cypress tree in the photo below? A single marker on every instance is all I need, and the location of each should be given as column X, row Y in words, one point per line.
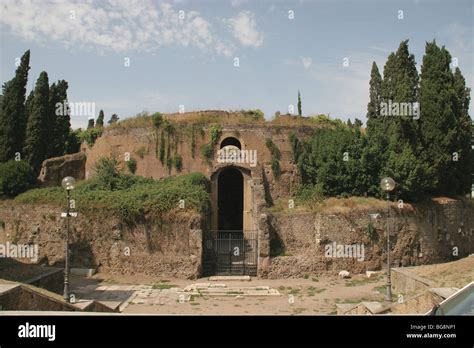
column 38, row 127
column 438, row 121
column 464, row 166
column 13, row 117
column 400, row 85
column 299, row 104
column 100, row 119
column 400, row 132
column 29, row 104
column 373, row 153
column 374, row 121
column 60, row 118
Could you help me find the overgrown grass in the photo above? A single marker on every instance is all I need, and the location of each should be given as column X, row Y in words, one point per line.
column 310, row 201
column 163, row 286
column 132, row 198
column 206, row 117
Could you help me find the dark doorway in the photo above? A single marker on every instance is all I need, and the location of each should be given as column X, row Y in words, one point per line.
column 230, row 200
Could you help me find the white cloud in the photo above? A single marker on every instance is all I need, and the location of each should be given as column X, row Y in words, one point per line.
column 244, row 29
column 115, row 25
column 307, row 61
column 237, row 3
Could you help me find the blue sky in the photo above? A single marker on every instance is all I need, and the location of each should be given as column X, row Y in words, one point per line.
column 187, row 58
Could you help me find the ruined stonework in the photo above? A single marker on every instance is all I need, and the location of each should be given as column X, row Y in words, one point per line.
column 427, row 233
column 171, row 247
column 55, row 169
column 290, row 245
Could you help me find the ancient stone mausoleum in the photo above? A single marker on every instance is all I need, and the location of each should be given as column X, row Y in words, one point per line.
column 250, row 165
column 239, row 169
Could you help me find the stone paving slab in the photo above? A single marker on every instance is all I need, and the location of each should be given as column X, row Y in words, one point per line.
column 230, row 278
column 145, row 294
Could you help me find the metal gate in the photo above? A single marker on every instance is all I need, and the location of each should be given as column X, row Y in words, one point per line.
column 230, row 253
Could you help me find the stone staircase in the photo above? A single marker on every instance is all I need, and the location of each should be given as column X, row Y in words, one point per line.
column 220, row 289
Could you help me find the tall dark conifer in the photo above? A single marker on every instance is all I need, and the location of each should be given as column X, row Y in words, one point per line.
column 100, row 119
column 438, row 120
column 13, row 116
column 464, row 167
column 60, row 118
column 38, row 127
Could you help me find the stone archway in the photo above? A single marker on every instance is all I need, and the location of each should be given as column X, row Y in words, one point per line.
column 230, row 247
column 231, row 141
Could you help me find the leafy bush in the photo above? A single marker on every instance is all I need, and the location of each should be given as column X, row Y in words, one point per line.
column 90, row 135
column 178, row 162
column 136, row 198
column 108, row 175
column 275, row 163
column 207, row 151
column 162, row 148
column 141, row 152
column 73, row 142
column 310, row 195
column 132, row 165
column 15, row 177
column 215, row 131
column 256, row 114
column 273, row 148
column 157, row 119
column 276, row 167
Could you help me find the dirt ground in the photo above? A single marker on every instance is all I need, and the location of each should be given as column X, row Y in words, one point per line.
column 312, row 296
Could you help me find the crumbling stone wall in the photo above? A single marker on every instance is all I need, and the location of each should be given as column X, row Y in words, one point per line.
column 55, row 169
column 169, row 247
column 141, row 144
column 432, row 232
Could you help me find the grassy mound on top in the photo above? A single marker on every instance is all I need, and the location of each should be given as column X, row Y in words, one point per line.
column 129, row 197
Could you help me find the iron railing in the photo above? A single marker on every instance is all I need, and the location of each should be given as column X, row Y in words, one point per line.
column 230, row 252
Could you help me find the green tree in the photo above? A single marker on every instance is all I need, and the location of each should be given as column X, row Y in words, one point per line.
column 113, row 119
column 438, row 120
column 13, row 116
column 332, row 159
column 299, row 104
column 15, row 177
column 60, row 118
column 73, row 142
column 464, row 166
column 100, row 119
column 377, row 140
column 396, row 136
column 38, row 127
column 400, row 85
column 157, row 119
column 90, row 123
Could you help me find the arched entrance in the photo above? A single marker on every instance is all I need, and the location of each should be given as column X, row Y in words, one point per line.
column 230, row 200
column 230, row 245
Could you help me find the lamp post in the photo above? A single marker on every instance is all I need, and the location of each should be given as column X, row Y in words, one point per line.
column 68, row 183
column 388, row 184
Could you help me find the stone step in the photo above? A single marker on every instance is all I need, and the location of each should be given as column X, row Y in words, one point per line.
column 230, row 278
